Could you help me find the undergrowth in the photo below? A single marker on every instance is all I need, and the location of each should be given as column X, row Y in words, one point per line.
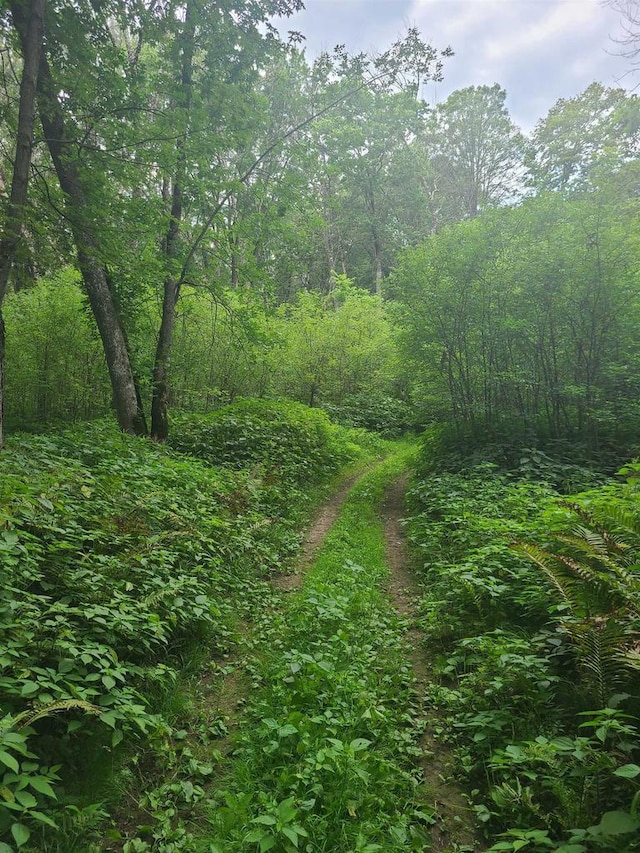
column 126, row 566
column 325, row 761
column 532, row 617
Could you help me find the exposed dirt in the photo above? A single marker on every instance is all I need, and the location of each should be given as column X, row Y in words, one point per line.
column 455, row 823
column 322, row 523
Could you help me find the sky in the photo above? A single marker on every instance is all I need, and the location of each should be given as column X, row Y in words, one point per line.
column 538, row 50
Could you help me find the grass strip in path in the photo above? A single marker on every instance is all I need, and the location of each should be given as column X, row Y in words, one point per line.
column 325, row 760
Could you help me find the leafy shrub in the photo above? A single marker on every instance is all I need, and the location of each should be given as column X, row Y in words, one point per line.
column 120, row 558
column 387, row 415
column 55, row 368
column 287, row 440
column 533, row 601
column 562, row 465
column 462, row 526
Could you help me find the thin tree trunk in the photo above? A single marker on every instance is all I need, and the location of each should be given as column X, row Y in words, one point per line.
column 125, row 396
column 161, row 364
column 10, row 239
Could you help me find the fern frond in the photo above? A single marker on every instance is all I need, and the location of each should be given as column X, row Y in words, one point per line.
column 610, row 531
column 601, row 644
column 543, row 560
column 26, row 718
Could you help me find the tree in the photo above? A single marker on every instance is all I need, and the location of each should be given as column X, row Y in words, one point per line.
column 475, row 153
column 61, row 128
column 333, row 347
column 170, row 165
column 97, row 114
column 521, row 322
column 598, row 129
column 358, row 147
column 14, row 217
column 630, row 13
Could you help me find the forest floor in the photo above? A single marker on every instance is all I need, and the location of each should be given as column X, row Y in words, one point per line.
column 326, row 736
column 453, row 828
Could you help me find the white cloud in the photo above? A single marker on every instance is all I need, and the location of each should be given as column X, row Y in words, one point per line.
column 564, row 23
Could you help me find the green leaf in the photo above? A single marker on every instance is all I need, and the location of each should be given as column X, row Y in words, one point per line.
column 39, row 783
column 266, row 819
column 615, row 823
column 267, row 843
column 21, row 833
column 26, row 799
column 43, row 818
column 359, row 744
column 9, row 761
column 254, row 835
column 109, row 682
column 4, row 848
column 286, row 810
column 627, row 771
column 7, row 794
column 291, row 834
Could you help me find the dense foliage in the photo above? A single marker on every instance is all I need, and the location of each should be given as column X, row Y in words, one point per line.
column 213, row 219
column 121, row 562
column 531, row 607
column 234, row 208
column 522, row 321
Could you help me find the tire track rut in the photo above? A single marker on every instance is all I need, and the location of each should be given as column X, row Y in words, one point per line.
column 454, row 826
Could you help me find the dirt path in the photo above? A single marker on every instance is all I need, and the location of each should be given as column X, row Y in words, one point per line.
column 455, row 819
column 322, row 523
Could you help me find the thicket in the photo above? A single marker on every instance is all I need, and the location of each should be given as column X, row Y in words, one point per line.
column 532, row 610
column 337, row 352
column 123, row 562
column 519, row 325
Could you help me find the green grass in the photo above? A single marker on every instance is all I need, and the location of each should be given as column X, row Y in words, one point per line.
column 325, row 760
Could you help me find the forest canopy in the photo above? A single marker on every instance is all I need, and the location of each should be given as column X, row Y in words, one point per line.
column 221, row 217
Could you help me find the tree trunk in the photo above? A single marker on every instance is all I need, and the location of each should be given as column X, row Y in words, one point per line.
column 161, row 389
column 125, row 397
column 10, row 239
column 161, row 365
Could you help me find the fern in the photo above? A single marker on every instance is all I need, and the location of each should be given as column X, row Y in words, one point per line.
column 591, row 571
column 27, row 718
column 544, row 561
column 600, row 644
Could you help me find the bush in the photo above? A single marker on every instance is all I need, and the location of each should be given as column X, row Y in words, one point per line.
column 386, row 415
column 285, row 440
column 55, row 369
column 122, row 559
